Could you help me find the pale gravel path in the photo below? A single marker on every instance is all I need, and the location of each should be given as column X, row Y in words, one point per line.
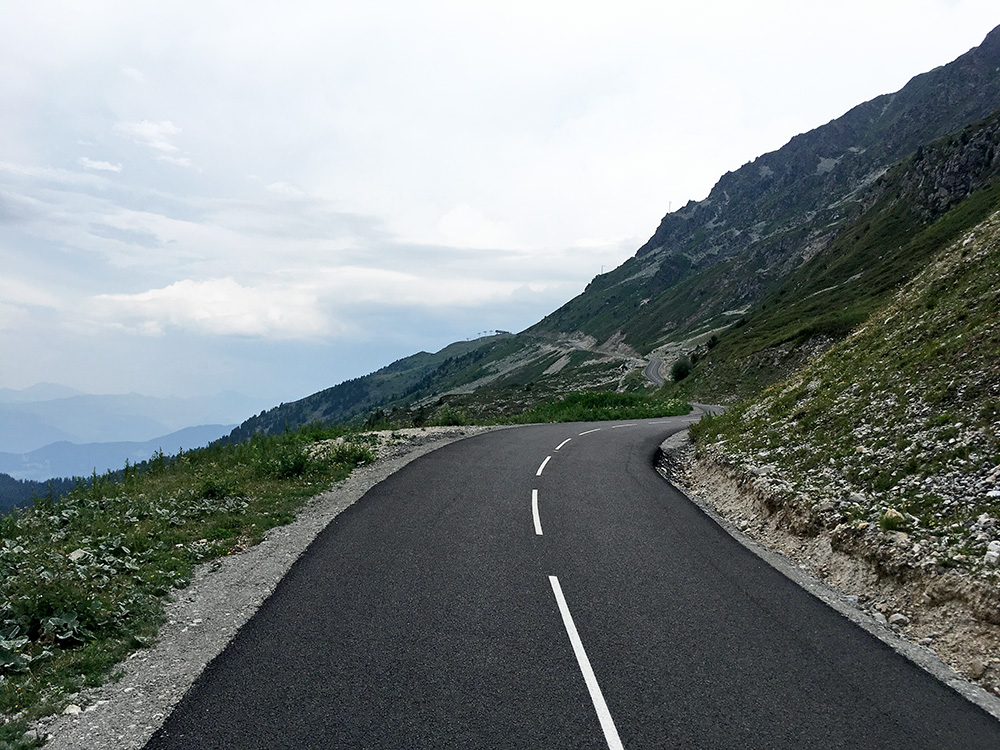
column 205, row 616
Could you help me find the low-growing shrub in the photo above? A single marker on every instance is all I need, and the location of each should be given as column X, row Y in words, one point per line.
column 82, row 578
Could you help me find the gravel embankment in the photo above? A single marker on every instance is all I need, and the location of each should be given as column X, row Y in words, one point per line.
column 935, row 620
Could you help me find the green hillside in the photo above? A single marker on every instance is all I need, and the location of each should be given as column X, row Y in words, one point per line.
column 904, row 414
column 916, row 209
column 786, row 255
column 766, row 219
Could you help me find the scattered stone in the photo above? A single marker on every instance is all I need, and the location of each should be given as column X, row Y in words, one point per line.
column 880, row 618
column 899, row 619
column 893, row 516
column 72, row 709
column 976, row 669
column 77, row 554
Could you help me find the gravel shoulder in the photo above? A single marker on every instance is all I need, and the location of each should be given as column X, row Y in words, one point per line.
column 934, row 622
column 203, row 617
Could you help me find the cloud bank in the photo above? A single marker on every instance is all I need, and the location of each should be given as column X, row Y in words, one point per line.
column 277, row 199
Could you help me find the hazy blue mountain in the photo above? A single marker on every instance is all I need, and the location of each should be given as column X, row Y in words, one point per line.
column 26, row 426
column 65, row 459
column 37, row 392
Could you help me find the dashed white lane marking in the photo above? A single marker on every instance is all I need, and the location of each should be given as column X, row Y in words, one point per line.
column 603, row 714
column 596, row 429
column 534, row 512
column 616, row 426
column 542, row 467
column 563, row 443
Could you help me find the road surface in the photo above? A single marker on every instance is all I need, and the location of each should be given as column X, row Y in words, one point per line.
column 653, row 371
column 543, row 587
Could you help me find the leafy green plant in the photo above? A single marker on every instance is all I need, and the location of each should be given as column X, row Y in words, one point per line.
column 681, row 369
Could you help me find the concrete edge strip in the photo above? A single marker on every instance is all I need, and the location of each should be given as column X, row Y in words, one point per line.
column 922, row 657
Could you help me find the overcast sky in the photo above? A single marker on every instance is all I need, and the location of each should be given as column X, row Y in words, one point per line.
column 274, row 197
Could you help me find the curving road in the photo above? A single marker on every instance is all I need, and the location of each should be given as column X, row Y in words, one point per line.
column 654, row 372
column 543, row 587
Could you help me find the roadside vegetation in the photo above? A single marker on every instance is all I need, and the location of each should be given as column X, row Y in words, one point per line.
column 84, row 577
column 589, row 406
column 493, row 407
column 896, row 427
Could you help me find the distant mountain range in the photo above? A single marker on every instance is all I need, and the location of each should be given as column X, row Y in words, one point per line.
column 65, row 459
column 47, row 413
column 53, row 432
column 787, row 254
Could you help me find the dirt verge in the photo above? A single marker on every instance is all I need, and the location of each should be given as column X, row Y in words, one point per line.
column 947, row 622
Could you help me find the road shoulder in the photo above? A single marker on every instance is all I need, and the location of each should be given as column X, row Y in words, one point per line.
column 716, row 494
column 204, row 617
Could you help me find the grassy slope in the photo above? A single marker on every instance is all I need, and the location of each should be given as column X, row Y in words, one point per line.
column 406, row 379
column 82, row 581
column 903, row 413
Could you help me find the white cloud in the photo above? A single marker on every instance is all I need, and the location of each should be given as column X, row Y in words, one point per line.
column 23, row 293
column 12, row 317
column 157, row 136
column 101, row 166
column 136, row 75
column 218, row 307
column 486, row 158
column 466, row 226
column 177, row 161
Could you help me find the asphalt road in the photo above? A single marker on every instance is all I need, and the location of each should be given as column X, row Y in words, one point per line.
column 653, row 371
column 433, row 614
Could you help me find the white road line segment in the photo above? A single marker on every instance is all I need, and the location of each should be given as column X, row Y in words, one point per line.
column 563, row 443
column 603, row 714
column 542, row 467
column 616, row 426
column 534, row 512
column 596, row 429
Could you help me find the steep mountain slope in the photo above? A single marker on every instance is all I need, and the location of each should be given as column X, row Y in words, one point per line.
column 787, row 255
column 906, row 408
column 911, row 213
column 883, row 455
column 764, row 220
